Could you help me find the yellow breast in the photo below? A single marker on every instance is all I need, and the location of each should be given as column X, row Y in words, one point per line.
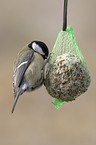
column 33, row 73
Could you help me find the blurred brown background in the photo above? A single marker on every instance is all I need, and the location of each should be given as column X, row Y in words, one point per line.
column 35, row 120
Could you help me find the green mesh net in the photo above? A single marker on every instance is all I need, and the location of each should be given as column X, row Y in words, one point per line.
column 67, row 75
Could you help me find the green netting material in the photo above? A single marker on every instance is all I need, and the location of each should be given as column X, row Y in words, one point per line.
column 67, row 75
column 66, row 43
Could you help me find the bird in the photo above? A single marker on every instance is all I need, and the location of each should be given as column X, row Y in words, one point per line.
column 28, row 70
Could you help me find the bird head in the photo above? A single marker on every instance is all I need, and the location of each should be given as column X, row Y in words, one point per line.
column 39, row 47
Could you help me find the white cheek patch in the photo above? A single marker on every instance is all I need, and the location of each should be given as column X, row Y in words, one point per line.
column 37, row 48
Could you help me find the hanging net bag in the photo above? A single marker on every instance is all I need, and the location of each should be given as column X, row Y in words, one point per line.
column 67, row 75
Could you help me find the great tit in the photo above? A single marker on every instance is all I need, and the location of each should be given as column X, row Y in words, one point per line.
column 29, row 68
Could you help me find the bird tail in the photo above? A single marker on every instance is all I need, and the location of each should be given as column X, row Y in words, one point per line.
column 20, row 92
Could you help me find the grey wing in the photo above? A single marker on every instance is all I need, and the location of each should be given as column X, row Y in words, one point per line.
column 21, row 64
